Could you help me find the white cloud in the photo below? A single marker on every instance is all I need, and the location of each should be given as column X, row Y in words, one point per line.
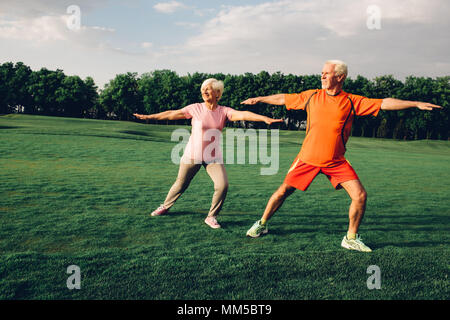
column 168, row 7
column 146, row 45
column 102, row 28
column 36, row 29
column 41, row 29
column 290, row 36
column 201, row 12
column 34, row 8
column 48, row 20
column 297, row 36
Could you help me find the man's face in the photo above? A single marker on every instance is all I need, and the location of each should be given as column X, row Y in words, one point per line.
column 329, row 78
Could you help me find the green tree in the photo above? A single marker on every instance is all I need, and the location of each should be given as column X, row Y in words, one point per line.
column 120, row 98
column 162, row 90
column 441, row 96
column 42, row 87
column 93, row 108
column 71, row 96
column 6, row 76
column 21, row 98
column 385, row 87
column 193, row 84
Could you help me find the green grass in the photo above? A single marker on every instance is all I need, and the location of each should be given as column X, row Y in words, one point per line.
column 76, row 191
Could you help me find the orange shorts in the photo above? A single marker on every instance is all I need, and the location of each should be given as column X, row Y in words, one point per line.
column 301, row 174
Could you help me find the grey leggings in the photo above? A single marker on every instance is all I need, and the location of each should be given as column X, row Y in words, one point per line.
column 186, row 173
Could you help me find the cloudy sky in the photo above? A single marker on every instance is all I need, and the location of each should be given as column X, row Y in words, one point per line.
column 105, row 37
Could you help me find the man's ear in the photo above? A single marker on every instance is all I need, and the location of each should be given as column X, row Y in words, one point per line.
column 341, row 78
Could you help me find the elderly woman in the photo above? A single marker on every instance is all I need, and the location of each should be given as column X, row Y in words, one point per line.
column 207, row 118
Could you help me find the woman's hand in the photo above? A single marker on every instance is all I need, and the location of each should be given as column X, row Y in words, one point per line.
column 142, row 116
column 269, row 121
column 165, row 115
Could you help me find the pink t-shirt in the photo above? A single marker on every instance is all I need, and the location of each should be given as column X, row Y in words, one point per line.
column 205, row 139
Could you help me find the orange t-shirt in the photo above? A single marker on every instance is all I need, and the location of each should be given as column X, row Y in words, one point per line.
column 329, row 123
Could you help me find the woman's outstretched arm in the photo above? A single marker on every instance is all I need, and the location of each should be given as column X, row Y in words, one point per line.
column 166, row 115
column 250, row 116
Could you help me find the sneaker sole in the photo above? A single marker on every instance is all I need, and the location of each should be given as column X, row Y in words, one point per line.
column 218, row 226
column 154, row 214
column 157, row 215
column 213, row 227
column 260, row 234
column 346, row 246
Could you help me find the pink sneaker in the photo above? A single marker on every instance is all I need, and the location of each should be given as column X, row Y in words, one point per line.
column 212, row 222
column 160, row 211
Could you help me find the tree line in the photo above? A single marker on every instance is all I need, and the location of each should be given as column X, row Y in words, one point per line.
column 47, row 92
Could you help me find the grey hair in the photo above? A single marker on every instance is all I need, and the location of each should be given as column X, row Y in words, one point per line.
column 217, row 85
column 340, row 67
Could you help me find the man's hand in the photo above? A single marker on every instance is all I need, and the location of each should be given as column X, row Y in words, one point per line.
column 250, row 101
column 427, row 106
column 397, row 104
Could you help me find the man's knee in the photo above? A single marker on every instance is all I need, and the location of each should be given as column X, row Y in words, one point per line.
column 360, row 196
column 284, row 191
column 356, row 191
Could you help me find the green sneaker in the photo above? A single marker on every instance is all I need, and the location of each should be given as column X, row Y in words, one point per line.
column 355, row 244
column 257, row 229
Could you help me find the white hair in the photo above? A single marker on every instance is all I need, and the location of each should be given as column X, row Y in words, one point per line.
column 340, row 67
column 217, row 85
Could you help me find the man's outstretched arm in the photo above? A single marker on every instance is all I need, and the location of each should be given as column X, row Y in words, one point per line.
column 397, row 104
column 276, row 99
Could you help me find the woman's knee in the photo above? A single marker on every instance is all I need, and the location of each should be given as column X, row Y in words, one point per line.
column 221, row 186
column 181, row 183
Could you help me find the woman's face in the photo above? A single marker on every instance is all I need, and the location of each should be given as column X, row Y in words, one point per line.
column 209, row 94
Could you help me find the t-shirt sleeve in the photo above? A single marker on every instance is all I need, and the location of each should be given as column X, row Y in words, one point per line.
column 297, row 101
column 228, row 112
column 188, row 111
column 365, row 106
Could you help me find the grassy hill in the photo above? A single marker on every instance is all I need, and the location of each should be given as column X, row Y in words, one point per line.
column 79, row 192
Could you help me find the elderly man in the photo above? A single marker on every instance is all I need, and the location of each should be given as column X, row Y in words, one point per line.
column 330, row 115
